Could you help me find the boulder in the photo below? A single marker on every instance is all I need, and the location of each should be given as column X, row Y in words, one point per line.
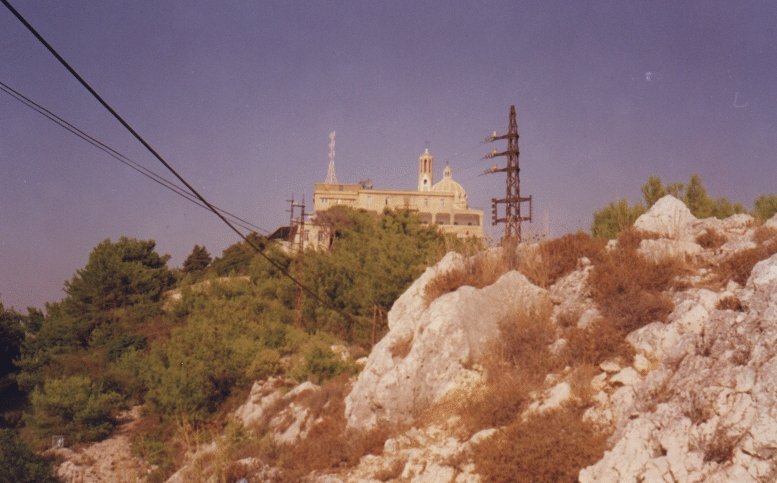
column 668, row 217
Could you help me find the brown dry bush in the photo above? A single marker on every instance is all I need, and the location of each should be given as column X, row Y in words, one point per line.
column 629, row 289
column 630, row 238
column 730, row 303
column 738, row 266
column 711, row 239
column 699, row 410
column 390, row 472
column 515, row 365
column 721, row 445
column 501, row 401
column 600, row 341
column 558, row 257
column 479, row 271
column 549, row 447
column 524, row 340
column 580, row 382
column 764, row 235
column 329, row 444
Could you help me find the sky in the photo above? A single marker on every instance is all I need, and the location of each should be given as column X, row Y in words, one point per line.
column 240, row 96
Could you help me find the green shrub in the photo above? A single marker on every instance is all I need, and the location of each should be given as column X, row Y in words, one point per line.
column 318, row 364
column 765, row 207
column 616, row 216
column 73, row 406
column 18, row 464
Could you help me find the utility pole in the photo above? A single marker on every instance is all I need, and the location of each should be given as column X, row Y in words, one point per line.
column 513, row 200
column 297, row 228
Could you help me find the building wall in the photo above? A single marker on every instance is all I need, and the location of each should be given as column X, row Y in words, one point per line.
column 433, row 207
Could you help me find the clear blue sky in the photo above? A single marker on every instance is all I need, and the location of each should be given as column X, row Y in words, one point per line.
column 241, row 95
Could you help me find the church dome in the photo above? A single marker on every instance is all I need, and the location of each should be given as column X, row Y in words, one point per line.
column 448, row 185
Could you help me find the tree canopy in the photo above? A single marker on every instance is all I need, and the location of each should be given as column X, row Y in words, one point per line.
column 372, row 260
column 198, row 260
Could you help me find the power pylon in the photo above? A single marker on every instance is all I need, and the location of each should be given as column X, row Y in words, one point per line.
column 513, row 200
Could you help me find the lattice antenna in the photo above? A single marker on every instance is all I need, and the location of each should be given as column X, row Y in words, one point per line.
column 331, row 178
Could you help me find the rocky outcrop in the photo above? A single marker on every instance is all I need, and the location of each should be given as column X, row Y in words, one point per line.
column 272, row 403
column 668, row 217
column 707, row 410
column 430, row 350
column 680, row 235
column 431, row 454
column 106, row 461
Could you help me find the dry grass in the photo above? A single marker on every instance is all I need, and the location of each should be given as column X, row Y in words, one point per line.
column 515, row 365
column 730, row 303
column 580, row 383
column 329, row 444
column 556, row 258
column 524, row 340
column 630, row 290
column 711, row 240
column 720, row 446
column 738, row 266
column 600, row 341
column 390, row 472
column 699, row 410
column 478, row 271
column 764, row 235
column 552, row 446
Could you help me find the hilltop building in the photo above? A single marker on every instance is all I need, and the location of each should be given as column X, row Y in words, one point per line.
column 443, row 203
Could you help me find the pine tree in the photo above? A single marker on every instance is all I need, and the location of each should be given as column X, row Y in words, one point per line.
column 199, row 259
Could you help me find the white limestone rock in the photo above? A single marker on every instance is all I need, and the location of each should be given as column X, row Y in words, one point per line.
column 428, row 347
column 668, row 217
column 668, row 249
column 551, row 399
column 290, row 421
column 771, row 222
column 715, row 387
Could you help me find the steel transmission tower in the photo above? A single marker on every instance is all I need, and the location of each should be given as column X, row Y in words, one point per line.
column 513, row 217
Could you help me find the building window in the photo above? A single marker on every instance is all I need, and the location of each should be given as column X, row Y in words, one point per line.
column 387, row 200
column 324, row 201
column 426, row 201
column 442, row 201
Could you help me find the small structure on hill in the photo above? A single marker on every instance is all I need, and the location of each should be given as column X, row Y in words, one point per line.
column 443, row 204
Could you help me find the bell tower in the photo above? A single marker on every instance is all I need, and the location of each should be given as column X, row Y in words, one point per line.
column 425, row 171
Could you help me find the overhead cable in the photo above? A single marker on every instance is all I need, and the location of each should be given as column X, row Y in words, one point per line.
column 167, row 165
column 247, row 225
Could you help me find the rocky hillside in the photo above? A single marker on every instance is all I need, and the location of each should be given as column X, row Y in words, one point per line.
column 652, row 358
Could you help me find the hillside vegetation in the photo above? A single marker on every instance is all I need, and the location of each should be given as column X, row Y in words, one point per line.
column 184, row 343
column 619, row 215
column 499, row 364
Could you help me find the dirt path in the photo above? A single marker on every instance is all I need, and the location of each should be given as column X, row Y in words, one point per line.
column 110, row 460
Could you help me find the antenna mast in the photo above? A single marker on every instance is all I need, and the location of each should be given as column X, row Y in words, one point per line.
column 331, row 178
column 513, row 200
